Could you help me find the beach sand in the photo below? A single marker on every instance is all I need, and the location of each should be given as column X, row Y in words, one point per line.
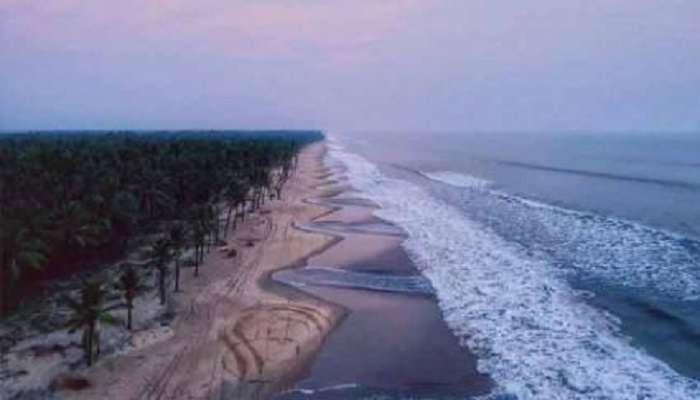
column 232, row 336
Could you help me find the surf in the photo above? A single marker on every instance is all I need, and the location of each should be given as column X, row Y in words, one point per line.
column 535, row 335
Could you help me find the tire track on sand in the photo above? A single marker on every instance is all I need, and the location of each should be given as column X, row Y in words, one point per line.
column 161, row 386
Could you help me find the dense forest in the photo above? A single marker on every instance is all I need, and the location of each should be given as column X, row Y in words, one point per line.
column 73, row 201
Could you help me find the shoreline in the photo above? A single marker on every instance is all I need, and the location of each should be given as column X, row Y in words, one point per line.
column 364, row 356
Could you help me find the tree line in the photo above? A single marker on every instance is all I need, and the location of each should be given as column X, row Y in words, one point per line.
column 71, row 202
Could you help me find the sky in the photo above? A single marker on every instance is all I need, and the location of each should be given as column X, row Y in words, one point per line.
column 477, row 65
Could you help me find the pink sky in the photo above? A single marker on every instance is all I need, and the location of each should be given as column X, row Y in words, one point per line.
column 420, row 64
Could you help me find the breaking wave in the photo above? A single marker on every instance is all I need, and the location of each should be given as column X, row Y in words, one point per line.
column 326, row 276
column 457, row 179
column 533, row 333
column 614, row 249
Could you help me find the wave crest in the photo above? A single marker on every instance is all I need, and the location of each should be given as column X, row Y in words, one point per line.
column 533, row 333
column 457, row 179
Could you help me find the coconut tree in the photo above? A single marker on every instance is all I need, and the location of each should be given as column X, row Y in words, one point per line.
column 161, row 254
column 6, row 343
column 260, row 181
column 124, row 214
column 96, row 192
column 21, row 247
column 234, row 195
column 178, row 241
column 87, row 313
column 199, row 237
column 130, row 285
column 154, row 188
column 75, row 228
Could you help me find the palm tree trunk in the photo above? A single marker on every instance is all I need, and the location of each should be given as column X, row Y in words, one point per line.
column 161, row 285
column 88, row 343
column 177, row 274
column 96, row 341
column 236, row 215
column 228, row 221
column 129, row 307
column 196, row 260
column 4, row 289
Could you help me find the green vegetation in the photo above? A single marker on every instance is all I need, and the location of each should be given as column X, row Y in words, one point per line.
column 160, row 259
column 130, row 285
column 72, row 202
column 178, row 241
column 87, row 313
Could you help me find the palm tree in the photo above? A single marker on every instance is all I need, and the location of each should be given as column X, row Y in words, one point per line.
column 130, row 285
column 124, row 213
column 260, row 180
column 178, row 240
column 234, row 196
column 160, row 257
column 199, row 236
column 75, row 227
column 285, row 169
column 6, row 343
column 20, row 247
column 88, row 312
column 214, row 223
column 107, row 189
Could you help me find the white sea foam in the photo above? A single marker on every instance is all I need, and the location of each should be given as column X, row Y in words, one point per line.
column 533, row 334
column 616, row 250
column 310, row 392
column 328, row 276
column 458, row 179
column 621, row 251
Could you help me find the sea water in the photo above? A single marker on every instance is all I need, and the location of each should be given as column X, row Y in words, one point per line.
column 568, row 263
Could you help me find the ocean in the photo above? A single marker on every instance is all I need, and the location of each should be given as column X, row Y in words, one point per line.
column 568, row 263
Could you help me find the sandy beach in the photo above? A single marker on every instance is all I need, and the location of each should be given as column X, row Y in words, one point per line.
column 241, row 330
column 233, row 337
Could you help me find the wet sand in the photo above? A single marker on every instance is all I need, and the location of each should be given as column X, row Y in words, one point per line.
column 390, row 343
